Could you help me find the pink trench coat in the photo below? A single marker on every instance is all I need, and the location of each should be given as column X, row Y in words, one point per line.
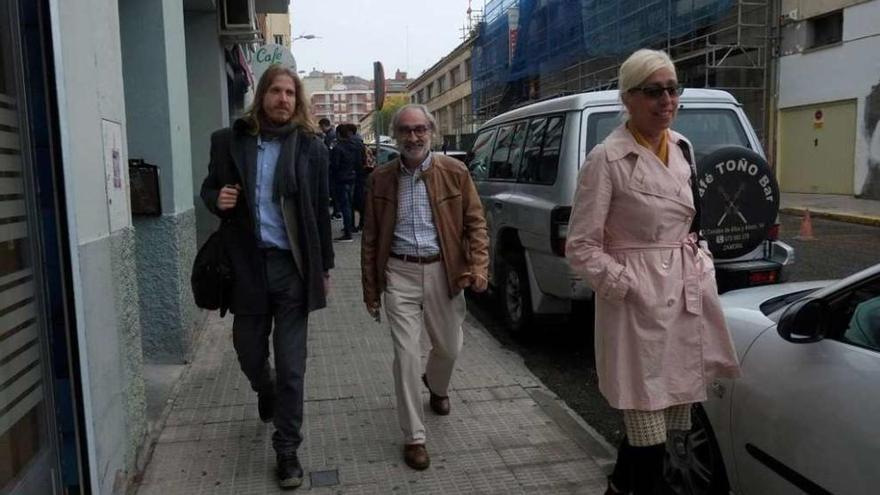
column 660, row 333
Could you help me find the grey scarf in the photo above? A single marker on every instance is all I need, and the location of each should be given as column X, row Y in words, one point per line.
column 284, row 183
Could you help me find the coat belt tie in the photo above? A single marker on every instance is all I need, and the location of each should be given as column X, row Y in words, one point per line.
column 691, row 271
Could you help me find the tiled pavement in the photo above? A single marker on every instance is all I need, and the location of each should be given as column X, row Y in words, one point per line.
column 507, row 433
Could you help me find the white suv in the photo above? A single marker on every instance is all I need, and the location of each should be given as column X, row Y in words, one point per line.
column 525, row 164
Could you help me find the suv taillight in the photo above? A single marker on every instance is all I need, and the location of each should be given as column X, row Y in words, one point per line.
column 559, row 228
column 773, row 232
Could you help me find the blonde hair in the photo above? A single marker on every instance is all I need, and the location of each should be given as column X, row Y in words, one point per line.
column 639, row 66
column 302, row 109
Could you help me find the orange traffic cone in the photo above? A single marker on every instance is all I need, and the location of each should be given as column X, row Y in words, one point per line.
column 806, row 233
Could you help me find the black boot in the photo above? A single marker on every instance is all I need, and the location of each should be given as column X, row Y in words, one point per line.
column 648, row 479
column 621, row 479
column 639, row 470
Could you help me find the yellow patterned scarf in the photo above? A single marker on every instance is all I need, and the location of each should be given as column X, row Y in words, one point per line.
column 662, row 152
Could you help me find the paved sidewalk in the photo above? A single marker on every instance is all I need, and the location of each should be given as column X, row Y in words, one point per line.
column 836, row 207
column 507, row 432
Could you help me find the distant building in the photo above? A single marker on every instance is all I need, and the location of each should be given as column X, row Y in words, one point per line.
column 340, row 103
column 397, row 85
column 445, row 89
column 275, row 28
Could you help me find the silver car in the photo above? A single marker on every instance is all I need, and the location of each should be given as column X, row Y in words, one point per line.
column 525, row 164
column 803, row 418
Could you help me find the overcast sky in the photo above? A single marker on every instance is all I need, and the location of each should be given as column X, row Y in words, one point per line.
column 411, row 35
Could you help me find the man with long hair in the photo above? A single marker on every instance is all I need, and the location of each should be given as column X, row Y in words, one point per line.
column 267, row 181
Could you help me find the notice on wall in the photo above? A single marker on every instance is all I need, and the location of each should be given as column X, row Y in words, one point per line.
column 115, row 175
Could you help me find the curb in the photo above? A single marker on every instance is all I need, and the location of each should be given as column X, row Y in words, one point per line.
column 833, row 215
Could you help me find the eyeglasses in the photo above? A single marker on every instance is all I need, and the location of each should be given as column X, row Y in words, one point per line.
column 655, row 91
column 418, row 130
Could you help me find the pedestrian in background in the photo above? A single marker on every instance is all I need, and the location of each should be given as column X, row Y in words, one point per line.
column 359, row 195
column 267, row 181
column 346, row 157
column 328, row 133
column 424, row 241
column 660, row 334
column 329, row 137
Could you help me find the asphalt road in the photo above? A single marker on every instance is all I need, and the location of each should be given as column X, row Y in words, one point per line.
column 560, row 352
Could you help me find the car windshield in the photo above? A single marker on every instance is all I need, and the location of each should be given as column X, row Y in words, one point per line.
column 707, row 128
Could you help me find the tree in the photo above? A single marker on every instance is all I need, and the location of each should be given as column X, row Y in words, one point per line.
column 392, row 103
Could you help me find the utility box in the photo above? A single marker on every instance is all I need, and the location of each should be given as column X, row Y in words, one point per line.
column 144, row 182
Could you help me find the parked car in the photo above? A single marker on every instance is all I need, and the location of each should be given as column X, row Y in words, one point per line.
column 803, row 416
column 525, row 164
column 384, row 153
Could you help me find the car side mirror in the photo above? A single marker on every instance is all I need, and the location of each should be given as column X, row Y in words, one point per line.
column 803, row 321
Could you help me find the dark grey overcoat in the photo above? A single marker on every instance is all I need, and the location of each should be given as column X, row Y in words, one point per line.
column 306, row 215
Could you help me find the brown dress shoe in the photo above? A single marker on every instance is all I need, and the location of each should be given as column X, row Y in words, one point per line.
column 439, row 404
column 416, row 456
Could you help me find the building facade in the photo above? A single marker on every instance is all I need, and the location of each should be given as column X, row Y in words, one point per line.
column 445, row 89
column 275, row 28
column 341, row 105
column 828, row 137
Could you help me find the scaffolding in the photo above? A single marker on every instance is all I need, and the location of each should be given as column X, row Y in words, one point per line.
column 529, row 50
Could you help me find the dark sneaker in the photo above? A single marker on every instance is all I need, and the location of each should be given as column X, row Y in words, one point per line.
column 416, row 456
column 439, row 404
column 266, row 405
column 290, row 472
column 345, row 238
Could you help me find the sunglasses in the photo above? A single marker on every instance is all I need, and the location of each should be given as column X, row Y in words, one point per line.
column 418, row 130
column 655, row 91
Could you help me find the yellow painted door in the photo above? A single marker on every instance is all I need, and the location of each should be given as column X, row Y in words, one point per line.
column 817, row 148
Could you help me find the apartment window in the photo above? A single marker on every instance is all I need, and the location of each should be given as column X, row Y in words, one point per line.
column 467, row 69
column 421, row 98
column 441, row 84
column 279, row 39
column 412, row 99
column 428, row 91
column 455, row 76
column 825, row 30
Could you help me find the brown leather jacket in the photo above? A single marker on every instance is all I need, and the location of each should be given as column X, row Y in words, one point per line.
column 458, row 217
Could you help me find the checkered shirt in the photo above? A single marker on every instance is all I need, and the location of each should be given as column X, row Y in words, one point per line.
column 414, row 233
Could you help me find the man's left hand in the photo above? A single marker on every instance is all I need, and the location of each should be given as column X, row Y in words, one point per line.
column 479, row 283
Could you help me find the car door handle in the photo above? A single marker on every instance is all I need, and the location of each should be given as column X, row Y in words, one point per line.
column 498, row 205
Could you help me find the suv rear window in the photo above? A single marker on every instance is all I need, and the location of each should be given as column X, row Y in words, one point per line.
column 707, row 128
column 541, row 154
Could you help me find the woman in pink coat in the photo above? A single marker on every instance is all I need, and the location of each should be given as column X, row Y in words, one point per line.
column 660, row 333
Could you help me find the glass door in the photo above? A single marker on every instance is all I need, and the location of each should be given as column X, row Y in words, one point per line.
column 28, row 458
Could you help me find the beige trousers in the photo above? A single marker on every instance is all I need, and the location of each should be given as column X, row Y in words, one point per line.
column 417, row 299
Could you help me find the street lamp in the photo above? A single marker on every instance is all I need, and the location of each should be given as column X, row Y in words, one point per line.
column 305, row 37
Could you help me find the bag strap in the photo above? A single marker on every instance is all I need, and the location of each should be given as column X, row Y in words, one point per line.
column 686, row 151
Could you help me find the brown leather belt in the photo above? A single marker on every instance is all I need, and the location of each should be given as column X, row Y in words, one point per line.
column 422, row 260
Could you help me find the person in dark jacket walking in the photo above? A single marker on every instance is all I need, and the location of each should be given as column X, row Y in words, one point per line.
column 346, row 157
column 267, row 181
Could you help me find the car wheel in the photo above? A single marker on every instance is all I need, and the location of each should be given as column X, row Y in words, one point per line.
column 693, row 460
column 516, row 300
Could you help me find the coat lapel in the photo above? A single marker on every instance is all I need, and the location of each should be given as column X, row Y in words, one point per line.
column 244, row 154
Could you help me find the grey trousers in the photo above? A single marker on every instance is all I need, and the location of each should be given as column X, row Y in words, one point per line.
column 250, row 337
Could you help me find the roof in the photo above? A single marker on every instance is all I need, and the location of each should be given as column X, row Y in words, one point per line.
column 581, row 101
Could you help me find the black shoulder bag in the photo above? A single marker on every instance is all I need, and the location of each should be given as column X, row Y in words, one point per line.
column 212, row 276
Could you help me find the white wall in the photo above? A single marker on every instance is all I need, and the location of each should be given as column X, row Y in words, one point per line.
column 841, row 72
column 90, row 91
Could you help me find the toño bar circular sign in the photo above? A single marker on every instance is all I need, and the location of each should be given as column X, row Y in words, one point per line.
column 739, row 200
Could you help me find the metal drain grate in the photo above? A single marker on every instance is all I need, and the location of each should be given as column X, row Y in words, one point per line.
column 324, row 478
